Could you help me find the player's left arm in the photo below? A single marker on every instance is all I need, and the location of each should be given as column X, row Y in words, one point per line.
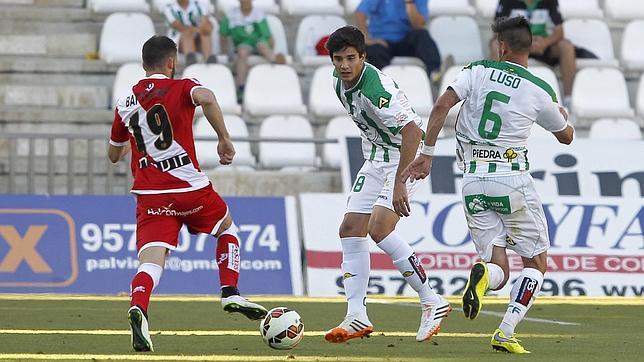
column 411, row 136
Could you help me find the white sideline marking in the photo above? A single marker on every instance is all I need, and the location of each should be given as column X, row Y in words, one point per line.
column 149, row 357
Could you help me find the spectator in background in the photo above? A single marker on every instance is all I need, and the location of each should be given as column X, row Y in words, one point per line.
column 191, row 29
column 549, row 47
column 248, row 29
column 397, row 28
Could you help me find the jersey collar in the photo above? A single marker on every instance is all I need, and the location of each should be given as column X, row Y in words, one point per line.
column 157, row 76
column 517, row 64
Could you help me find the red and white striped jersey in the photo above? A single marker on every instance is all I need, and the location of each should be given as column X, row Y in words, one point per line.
column 156, row 118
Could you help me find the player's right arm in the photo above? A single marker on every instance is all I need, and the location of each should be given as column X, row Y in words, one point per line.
column 206, row 98
column 119, row 140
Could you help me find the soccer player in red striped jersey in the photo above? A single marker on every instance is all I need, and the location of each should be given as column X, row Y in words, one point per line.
column 154, row 121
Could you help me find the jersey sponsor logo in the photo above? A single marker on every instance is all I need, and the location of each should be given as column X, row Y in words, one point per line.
column 486, row 153
column 526, row 291
column 480, row 202
column 383, row 102
column 510, row 155
column 169, row 211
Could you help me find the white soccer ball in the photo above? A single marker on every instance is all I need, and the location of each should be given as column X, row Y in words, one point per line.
column 282, row 328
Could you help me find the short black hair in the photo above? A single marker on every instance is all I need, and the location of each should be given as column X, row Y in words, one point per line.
column 346, row 36
column 515, row 31
column 157, row 49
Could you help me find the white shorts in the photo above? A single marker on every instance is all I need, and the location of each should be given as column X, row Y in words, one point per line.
column 374, row 186
column 505, row 211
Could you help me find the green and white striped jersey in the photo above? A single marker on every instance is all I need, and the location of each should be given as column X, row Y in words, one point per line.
column 502, row 101
column 380, row 109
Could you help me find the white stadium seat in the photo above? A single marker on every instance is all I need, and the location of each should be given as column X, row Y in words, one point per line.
column 632, row 51
column 350, row 6
column 624, row 9
column 593, row 35
column 580, row 9
column 126, row 77
column 286, row 154
column 450, row 7
column 458, row 36
column 307, row 7
column 123, row 36
column 450, row 76
column 600, row 92
column 640, row 97
column 487, row 8
column 548, row 76
column 311, row 29
column 414, row 82
column 273, row 89
column 323, row 101
column 279, row 38
column 337, row 128
column 615, row 129
column 268, row 6
column 111, row 6
column 207, row 150
column 219, row 79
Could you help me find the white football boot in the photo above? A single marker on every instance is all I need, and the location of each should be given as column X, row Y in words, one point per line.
column 430, row 319
column 141, row 341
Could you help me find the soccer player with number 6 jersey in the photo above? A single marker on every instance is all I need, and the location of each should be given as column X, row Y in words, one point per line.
column 502, row 100
column 155, row 121
column 391, row 135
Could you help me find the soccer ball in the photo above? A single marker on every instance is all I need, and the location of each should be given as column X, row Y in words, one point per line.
column 282, row 328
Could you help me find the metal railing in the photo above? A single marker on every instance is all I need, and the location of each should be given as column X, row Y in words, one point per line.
column 35, row 163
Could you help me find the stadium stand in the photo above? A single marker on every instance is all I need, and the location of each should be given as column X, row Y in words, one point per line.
column 350, row 6
column 617, row 129
column 297, row 7
column 623, row 10
column 587, row 9
column 458, row 36
column 280, row 45
column 449, row 76
column 322, row 102
column 220, row 79
column 549, row 76
column 593, row 35
column 337, row 128
column 127, row 75
column 632, row 51
column 205, row 150
column 160, row 5
column 640, row 98
column 450, row 7
column 286, row 154
column 486, row 8
column 413, row 80
column 112, row 6
column 609, row 100
column 311, row 29
column 268, row 6
column 123, row 36
column 273, row 89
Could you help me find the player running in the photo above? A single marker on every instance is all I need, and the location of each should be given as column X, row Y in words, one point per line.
column 156, row 120
column 391, row 137
column 502, row 208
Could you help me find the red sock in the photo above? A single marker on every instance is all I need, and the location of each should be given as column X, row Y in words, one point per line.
column 228, row 260
column 142, row 285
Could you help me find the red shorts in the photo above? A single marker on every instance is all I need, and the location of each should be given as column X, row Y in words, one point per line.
column 159, row 217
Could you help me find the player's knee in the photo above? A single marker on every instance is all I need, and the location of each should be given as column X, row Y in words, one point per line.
column 378, row 232
column 348, row 230
column 225, row 225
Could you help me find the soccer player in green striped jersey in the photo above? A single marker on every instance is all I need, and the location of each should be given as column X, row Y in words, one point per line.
column 502, row 101
column 391, row 136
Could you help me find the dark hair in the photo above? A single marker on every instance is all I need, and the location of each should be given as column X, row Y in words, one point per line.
column 346, row 36
column 515, row 32
column 157, row 49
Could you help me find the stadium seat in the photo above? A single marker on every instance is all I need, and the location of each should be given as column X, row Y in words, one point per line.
column 350, row 6
column 126, row 77
column 267, row 6
column 600, row 92
column 206, row 5
column 279, row 38
column 273, row 89
column 548, row 76
column 323, row 101
column 112, row 6
column 311, row 29
column 632, row 51
column 414, row 82
column 123, row 36
column 624, row 10
column 449, row 76
column 220, row 80
column 337, row 128
column 593, row 35
column 458, row 36
column 640, row 97
column 299, row 7
column 450, row 7
column 407, row 61
column 487, row 8
column 586, row 9
column 615, row 129
column 207, row 150
column 286, row 154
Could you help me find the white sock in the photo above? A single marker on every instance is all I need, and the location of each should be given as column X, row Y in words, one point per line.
column 356, row 266
column 496, row 276
column 153, row 270
column 523, row 293
column 409, row 266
